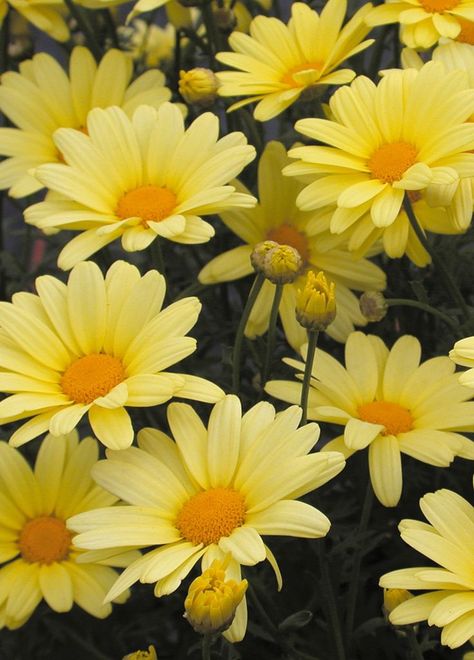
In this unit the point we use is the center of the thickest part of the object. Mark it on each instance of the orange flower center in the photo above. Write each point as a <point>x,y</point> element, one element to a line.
<point>150,203</point>
<point>210,515</point>
<point>44,540</point>
<point>437,6</point>
<point>287,235</point>
<point>92,376</point>
<point>395,418</point>
<point>390,161</point>
<point>466,36</point>
<point>288,78</point>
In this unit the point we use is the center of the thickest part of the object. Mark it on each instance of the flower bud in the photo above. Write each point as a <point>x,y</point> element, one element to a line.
<point>142,655</point>
<point>198,86</point>
<point>316,302</point>
<point>373,305</point>
<point>257,258</point>
<point>212,600</point>
<point>282,264</point>
<point>394,597</point>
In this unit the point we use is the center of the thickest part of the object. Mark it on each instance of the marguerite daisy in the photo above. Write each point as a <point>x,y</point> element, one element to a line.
<point>389,402</point>
<point>279,62</point>
<point>37,551</point>
<point>214,491</point>
<point>138,179</point>
<point>411,132</point>
<point>423,22</point>
<point>94,346</point>
<point>277,218</point>
<point>449,599</point>
<point>42,97</point>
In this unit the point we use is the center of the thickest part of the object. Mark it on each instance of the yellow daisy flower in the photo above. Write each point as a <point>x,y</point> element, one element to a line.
<point>278,62</point>
<point>389,402</point>
<point>94,346</point>
<point>408,133</point>
<point>139,178</point>
<point>37,552</point>
<point>42,97</point>
<point>423,22</point>
<point>449,599</point>
<point>277,218</point>
<point>214,491</point>
<point>462,353</point>
<point>46,15</point>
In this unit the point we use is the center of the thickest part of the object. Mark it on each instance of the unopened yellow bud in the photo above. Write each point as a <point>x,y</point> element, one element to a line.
<point>142,655</point>
<point>282,265</point>
<point>198,86</point>
<point>394,597</point>
<point>316,302</point>
<point>373,305</point>
<point>257,258</point>
<point>212,600</point>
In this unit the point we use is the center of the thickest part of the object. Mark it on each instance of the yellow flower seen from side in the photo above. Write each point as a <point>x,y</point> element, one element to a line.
<point>94,346</point>
<point>387,403</point>
<point>462,354</point>
<point>448,601</point>
<point>42,97</point>
<point>216,490</point>
<point>212,600</point>
<point>411,132</point>
<point>276,63</point>
<point>276,218</point>
<point>152,44</point>
<point>424,22</point>
<point>38,557</point>
<point>316,302</point>
<point>46,15</point>
<point>139,178</point>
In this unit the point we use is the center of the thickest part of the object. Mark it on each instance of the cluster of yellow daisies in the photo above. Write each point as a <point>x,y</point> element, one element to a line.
<point>114,147</point>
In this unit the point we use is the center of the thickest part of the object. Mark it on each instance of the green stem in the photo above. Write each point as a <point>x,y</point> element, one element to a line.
<point>354,580</point>
<point>77,13</point>
<point>191,290</point>
<point>330,602</point>
<point>157,256</point>
<point>451,285</point>
<point>262,612</point>
<point>308,369</point>
<point>407,302</point>
<point>272,332</point>
<point>416,652</point>
<point>239,337</point>
<point>211,30</point>
<point>206,647</point>
<point>110,27</point>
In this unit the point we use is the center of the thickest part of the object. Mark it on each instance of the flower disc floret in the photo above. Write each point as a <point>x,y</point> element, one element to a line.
<point>390,162</point>
<point>394,418</point>
<point>149,203</point>
<point>211,515</point>
<point>92,376</point>
<point>44,540</point>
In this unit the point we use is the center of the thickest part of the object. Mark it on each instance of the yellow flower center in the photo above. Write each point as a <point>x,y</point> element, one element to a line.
<point>466,36</point>
<point>44,540</point>
<point>287,235</point>
<point>210,515</point>
<point>395,418</point>
<point>437,6</point>
<point>150,203</point>
<point>390,161</point>
<point>92,376</point>
<point>288,77</point>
